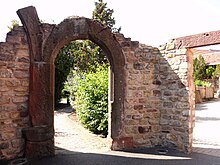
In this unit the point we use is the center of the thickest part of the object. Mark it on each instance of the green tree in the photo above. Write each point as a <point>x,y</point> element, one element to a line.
<point>199,68</point>
<point>63,66</point>
<point>88,81</point>
<point>105,15</point>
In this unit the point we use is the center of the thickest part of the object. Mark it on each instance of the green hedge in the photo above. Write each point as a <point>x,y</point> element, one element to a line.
<point>89,95</point>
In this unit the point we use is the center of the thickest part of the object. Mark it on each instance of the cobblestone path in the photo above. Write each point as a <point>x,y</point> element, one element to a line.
<point>70,134</point>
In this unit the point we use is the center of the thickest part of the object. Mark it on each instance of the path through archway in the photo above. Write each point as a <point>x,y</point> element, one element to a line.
<point>45,41</point>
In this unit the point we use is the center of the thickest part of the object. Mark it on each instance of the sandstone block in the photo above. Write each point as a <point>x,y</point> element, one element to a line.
<point>144,129</point>
<point>21,89</point>
<point>123,142</point>
<point>19,99</point>
<point>8,135</point>
<point>12,83</point>
<point>154,121</point>
<point>21,74</point>
<point>137,117</point>
<point>4,100</point>
<point>4,115</point>
<point>17,143</point>
<point>168,105</point>
<point>131,122</point>
<point>24,59</point>
<point>5,73</point>
<point>4,145</point>
<point>130,130</point>
<point>155,128</point>
<point>164,122</point>
<point>157,93</point>
<point>40,149</point>
<point>4,89</point>
<point>138,66</point>
<point>138,107</point>
<point>172,137</point>
<point>7,57</point>
<point>15,114</point>
<point>2,64</point>
<point>38,133</point>
<point>25,83</point>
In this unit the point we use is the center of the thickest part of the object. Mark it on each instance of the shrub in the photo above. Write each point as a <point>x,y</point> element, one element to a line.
<point>210,72</point>
<point>90,91</point>
<point>202,83</point>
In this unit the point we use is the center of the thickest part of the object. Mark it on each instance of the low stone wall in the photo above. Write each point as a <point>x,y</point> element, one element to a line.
<point>14,92</point>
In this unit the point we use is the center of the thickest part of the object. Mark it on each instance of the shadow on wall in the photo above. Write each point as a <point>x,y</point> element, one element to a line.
<point>157,106</point>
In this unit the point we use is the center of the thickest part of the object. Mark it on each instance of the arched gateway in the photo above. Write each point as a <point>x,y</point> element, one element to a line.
<point>45,41</point>
<point>151,96</point>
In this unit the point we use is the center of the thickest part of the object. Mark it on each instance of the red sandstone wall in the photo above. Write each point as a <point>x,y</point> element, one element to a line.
<point>158,95</point>
<point>14,92</point>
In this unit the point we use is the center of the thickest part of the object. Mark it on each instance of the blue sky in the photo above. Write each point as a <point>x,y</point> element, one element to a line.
<point>152,22</point>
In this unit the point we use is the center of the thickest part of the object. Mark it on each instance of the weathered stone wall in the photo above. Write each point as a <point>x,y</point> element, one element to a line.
<point>159,91</point>
<point>153,88</point>
<point>14,92</point>
<point>178,110</point>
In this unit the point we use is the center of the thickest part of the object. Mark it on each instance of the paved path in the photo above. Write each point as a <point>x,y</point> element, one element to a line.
<point>207,128</point>
<point>70,134</point>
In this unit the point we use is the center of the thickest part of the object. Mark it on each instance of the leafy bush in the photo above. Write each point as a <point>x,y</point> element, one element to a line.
<point>90,92</point>
<point>202,83</point>
<point>210,72</point>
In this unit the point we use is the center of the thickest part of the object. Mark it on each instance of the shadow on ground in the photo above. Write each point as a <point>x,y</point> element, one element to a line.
<point>205,104</point>
<point>142,156</point>
<point>64,108</point>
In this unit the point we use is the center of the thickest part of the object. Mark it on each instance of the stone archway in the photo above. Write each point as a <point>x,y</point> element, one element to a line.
<point>44,43</point>
<point>153,88</point>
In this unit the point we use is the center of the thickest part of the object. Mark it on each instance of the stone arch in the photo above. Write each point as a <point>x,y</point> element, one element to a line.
<point>44,43</point>
<point>80,28</point>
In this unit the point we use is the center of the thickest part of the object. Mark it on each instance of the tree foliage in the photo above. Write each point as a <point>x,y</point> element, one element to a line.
<point>210,72</point>
<point>104,15</point>
<point>199,68</point>
<point>63,66</point>
<point>88,79</point>
<point>83,56</point>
